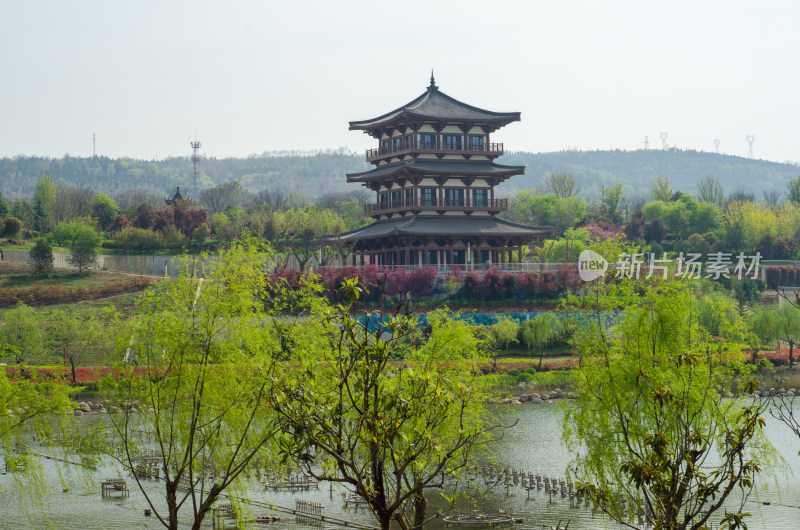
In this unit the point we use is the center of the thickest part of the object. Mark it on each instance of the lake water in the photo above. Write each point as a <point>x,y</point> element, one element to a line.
<point>532,446</point>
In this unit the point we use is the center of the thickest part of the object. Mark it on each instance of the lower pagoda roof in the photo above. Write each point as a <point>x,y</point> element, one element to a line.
<point>439,167</point>
<point>429,226</point>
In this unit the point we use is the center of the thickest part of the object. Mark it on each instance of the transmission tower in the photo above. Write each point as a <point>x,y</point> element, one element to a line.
<point>195,157</point>
<point>750,140</point>
<point>663,136</point>
<point>646,143</point>
<point>716,144</point>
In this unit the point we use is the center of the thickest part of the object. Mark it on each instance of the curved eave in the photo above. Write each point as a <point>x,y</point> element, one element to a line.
<point>450,228</point>
<point>441,109</point>
<point>382,172</point>
<point>369,126</point>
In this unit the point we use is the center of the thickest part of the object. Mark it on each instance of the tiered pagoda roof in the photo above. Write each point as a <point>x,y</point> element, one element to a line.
<point>438,167</point>
<point>434,104</point>
<point>445,226</point>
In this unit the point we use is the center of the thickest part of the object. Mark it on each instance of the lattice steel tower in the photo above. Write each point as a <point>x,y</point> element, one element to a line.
<point>750,140</point>
<point>195,158</point>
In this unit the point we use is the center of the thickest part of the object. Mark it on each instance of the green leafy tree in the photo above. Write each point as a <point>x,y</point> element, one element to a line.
<point>651,422</point>
<point>40,257</point>
<point>21,337</point>
<point>538,332</point>
<point>83,253</point>
<point>533,208</point>
<point>793,191</point>
<point>205,352</point>
<point>82,335</point>
<point>661,189</point>
<point>611,197</point>
<point>104,209</point>
<point>763,327</point>
<point>11,227</point>
<point>563,185</point>
<point>4,207</point>
<point>787,327</point>
<point>44,197</point>
<point>28,405</point>
<point>141,239</point>
<point>388,428</point>
<point>200,235</point>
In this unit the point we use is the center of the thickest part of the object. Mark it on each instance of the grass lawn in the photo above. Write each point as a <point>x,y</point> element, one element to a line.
<point>15,274</point>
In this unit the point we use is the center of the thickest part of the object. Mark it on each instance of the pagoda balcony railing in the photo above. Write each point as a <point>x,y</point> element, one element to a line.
<point>436,204</point>
<point>488,149</point>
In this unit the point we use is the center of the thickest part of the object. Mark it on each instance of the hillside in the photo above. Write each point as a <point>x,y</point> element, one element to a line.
<point>317,172</point>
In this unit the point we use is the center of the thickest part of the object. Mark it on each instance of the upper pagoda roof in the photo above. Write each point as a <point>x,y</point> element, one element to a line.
<point>434,104</point>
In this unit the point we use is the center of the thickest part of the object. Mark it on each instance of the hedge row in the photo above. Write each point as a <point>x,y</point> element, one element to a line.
<point>783,276</point>
<point>56,294</point>
<point>497,285</point>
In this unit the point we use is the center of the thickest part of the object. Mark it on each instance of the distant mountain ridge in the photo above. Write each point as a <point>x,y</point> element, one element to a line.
<point>315,173</point>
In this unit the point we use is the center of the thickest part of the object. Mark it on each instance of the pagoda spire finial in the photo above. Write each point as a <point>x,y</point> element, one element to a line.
<point>433,82</point>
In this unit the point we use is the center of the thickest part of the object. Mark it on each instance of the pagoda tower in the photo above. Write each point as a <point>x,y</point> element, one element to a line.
<point>434,182</point>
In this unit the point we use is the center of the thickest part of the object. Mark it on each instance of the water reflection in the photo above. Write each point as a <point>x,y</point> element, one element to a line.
<point>534,446</point>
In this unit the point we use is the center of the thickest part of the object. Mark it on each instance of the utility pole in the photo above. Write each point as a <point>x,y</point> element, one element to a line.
<point>195,158</point>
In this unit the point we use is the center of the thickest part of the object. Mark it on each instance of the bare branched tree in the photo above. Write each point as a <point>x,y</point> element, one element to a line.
<point>220,198</point>
<point>72,203</point>
<point>272,199</point>
<point>710,190</point>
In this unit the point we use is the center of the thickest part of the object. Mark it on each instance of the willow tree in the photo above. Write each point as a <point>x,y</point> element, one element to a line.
<point>29,406</point>
<point>651,423</point>
<point>201,352</point>
<point>387,419</point>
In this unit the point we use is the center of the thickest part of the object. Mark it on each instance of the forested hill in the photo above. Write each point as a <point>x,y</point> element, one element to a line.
<point>637,169</point>
<point>315,173</point>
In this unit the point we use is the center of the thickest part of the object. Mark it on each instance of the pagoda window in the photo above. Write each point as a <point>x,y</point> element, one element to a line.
<point>397,144</point>
<point>459,257</point>
<point>396,198</point>
<point>410,197</point>
<point>476,143</point>
<point>385,146</point>
<point>428,196</point>
<point>480,198</point>
<point>452,142</point>
<point>427,141</point>
<point>454,197</point>
<point>409,141</point>
<point>384,199</point>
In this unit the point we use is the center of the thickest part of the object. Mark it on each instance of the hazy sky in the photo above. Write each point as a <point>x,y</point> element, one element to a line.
<point>255,76</point>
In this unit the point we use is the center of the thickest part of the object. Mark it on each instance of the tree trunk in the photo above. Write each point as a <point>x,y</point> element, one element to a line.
<point>72,365</point>
<point>791,353</point>
<point>420,506</point>
<point>172,504</point>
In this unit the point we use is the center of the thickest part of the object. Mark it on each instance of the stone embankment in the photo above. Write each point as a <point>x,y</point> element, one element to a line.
<point>536,398</point>
<point>558,395</point>
<point>100,406</point>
